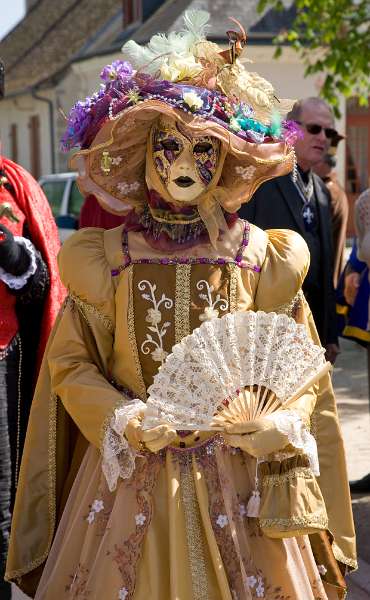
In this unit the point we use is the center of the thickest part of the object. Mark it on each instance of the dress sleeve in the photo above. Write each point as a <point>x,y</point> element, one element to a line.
<point>80,353</point>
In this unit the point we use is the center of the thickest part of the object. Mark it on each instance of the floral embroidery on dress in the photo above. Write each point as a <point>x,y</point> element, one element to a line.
<point>322,569</point>
<point>96,507</point>
<point>140,519</point>
<point>77,587</point>
<point>210,312</point>
<point>222,533</point>
<point>222,521</point>
<point>127,554</point>
<point>154,318</point>
<point>256,584</point>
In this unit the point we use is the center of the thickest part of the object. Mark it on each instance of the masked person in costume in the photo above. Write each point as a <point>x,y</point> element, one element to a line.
<point>177,139</point>
<point>30,296</point>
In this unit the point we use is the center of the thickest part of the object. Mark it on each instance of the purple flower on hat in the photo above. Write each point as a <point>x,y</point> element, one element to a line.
<point>117,70</point>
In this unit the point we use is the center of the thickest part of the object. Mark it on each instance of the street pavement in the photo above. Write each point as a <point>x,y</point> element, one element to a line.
<point>351,386</point>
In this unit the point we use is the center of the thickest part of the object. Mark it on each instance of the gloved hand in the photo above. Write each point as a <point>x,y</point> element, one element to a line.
<point>257,438</point>
<point>14,258</point>
<point>152,439</point>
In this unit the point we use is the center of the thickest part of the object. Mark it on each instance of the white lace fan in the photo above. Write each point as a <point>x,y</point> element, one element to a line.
<point>236,368</point>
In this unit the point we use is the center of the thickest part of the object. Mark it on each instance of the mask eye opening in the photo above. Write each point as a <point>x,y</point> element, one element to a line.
<point>202,147</point>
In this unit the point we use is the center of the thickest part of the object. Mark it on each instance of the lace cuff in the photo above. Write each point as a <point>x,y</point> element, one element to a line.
<point>118,456</point>
<point>17,282</point>
<point>290,423</point>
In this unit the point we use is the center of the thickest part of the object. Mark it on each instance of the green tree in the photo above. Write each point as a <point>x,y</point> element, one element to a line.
<point>332,37</point>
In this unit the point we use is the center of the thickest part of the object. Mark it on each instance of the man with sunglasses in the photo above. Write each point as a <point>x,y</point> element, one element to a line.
<point>302,203</point>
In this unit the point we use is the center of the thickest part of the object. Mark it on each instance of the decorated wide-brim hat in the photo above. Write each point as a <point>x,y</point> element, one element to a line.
<point>207,91</point>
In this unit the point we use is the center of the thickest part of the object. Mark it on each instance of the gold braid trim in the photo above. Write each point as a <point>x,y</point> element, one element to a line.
<point>194,534</point>
<point>182,302</point>
<point>319,520</point>
<point>278,479</point>
<point>87,310</point>
<point>233,292</point>
<point>141,389</point>
<point>339,556</point>
<point>289,308</point>
<point>14,575</point>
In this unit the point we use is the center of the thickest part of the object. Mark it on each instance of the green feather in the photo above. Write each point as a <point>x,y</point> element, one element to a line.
<point>275,125</point>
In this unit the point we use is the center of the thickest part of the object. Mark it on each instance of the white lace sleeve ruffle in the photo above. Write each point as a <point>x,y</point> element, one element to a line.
<point>290,423</point>
<point>15,282</point>
<point>118,456</point>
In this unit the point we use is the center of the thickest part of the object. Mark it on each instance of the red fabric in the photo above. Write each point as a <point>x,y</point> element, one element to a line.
<point>44,234</point>
<point>93,215</point>
<point>8,317</point>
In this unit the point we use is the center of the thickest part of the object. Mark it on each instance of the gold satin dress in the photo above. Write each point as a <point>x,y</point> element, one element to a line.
<point>177,528</point>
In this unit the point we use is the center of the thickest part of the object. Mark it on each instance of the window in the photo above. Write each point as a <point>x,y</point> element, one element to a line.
<point>75,201</point>
<point>54,190</point>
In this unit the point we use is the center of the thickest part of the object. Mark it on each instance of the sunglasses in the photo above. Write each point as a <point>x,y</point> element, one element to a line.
<point>315,129</point>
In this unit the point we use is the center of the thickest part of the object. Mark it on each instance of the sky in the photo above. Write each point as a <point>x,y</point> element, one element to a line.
<point>11,11</point>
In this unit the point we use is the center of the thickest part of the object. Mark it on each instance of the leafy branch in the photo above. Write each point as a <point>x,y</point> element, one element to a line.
<point>332,37</point>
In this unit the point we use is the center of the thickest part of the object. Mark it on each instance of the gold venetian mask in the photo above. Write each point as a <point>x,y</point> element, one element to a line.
<point>186,165</point>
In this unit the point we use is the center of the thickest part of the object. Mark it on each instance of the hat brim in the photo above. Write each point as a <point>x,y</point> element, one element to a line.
<point>113,167</point>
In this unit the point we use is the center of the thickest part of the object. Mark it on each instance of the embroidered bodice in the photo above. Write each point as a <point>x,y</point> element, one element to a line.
<point>148,301</point>
<point>169,296</point>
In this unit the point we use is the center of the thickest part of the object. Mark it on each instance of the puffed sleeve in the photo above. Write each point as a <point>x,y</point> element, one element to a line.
<point>283,271</point>
<point>80,353</point>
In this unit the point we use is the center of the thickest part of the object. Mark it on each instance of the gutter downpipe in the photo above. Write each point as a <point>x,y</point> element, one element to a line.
<point>51,124</point>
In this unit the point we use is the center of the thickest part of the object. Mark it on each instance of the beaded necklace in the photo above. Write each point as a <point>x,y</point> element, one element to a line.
<point>188,260</point>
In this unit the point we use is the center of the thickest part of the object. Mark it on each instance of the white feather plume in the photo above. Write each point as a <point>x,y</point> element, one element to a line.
<point>196,23</point>
<point>162,47</point>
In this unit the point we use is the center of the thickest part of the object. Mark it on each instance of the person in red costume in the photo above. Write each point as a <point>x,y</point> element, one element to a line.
<point>30,297</point>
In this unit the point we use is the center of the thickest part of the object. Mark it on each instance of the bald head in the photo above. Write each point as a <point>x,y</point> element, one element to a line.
<point>313,104</point>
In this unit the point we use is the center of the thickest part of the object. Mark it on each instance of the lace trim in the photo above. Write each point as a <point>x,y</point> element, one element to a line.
<point>278,479</point>
<point>290,424</point>
<point>86,309</point>
<point>17,282</point>
<point>118,456</point>
<point>182,302</point>
<point>319,520</point>
<point>289,308</point>
<point>340,557</point>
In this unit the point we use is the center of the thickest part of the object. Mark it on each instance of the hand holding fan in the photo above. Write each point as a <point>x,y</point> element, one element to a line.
<point>237,368</point>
